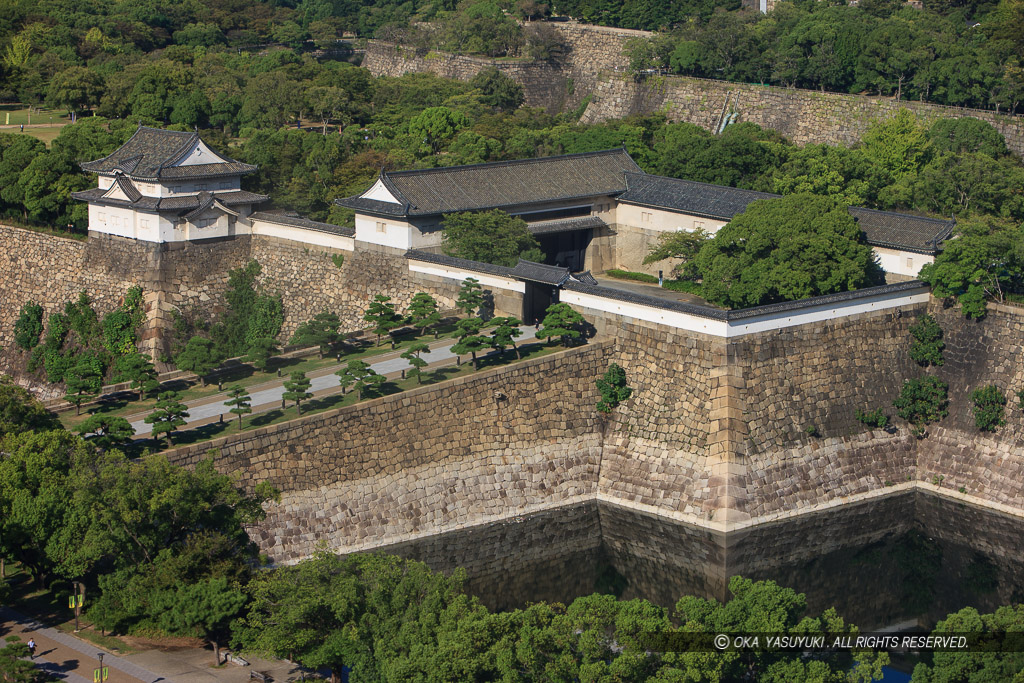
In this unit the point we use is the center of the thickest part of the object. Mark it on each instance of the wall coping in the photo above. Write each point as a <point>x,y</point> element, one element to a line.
<point>484,375</point>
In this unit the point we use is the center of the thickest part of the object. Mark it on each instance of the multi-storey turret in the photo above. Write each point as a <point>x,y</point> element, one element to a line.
<point>168,186</point>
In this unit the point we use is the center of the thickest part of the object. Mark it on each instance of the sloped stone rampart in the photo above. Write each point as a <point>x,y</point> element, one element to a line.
<point>593,65</point>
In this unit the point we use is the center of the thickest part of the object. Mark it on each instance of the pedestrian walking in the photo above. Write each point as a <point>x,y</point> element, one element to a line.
<point>31,648</point>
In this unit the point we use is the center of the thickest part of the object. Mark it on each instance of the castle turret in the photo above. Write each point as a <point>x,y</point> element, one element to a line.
<point>168,186</point>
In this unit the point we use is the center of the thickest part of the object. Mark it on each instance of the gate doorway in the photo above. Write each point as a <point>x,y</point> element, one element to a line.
<point>536,300</point>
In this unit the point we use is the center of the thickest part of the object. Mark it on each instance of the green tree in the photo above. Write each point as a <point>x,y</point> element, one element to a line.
<point>15,665</point>
<point>975,666</point>
<point>359,375</point>
<point>168,414</point>
<point>423,313</point>
<point>321,331</point>
<point>613,388</point>
<point>471,297</point>
<point>926,347</point>
<point>413,356</point>
<point>561,321</point>
<point>498,90</point>
<point>504,334</point>
<point>76,88</point>
<point>382,316</point>
<point>433,127</point>
<point>29,326</point>
<point>22,412</point>
<point>682,245</point>
<point>988,404</point>
<point>240,402</point>
<point>137,369</point>
<point>106,431</point>
<point>922,400</point>
<point>786,249</point>
<point>469,338</point>
<point>489,237</point>
<point>984,259</point>
<point>203,609</point>
<point>200,356</point>
<point>260,352</point>
<point>296,389</point>
<point>83,381</point>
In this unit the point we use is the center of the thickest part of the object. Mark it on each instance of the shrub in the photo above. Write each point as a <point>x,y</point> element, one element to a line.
<point>29,327</point>
<point>923,400</point>
<point>338,260</point>
<point>613,388</point>
<point>926,349</point>
<point>988,403</point>
<point>812,431</point>
<point>873,418</point>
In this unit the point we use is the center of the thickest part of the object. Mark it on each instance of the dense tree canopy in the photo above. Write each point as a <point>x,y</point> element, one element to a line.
<point>785,249</point>
<point>491,237</point>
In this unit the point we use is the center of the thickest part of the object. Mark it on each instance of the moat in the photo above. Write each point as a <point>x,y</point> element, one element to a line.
<point>896,561</point>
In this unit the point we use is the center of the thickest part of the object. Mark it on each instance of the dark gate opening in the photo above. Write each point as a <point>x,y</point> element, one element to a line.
<point>536,300</point>
<point>566,249</point>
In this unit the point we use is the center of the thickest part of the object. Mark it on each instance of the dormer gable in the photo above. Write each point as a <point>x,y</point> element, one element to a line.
<point>380,192</point>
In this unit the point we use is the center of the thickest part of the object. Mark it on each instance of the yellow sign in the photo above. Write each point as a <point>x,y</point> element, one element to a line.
<point>100,675</point>
<point>75,601</point>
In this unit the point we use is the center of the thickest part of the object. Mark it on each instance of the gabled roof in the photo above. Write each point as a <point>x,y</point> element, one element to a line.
<point>538,272</point>
<point>903,231</point>
<point>688,196</point>
<point>151,154</point>
<point>500,184</point>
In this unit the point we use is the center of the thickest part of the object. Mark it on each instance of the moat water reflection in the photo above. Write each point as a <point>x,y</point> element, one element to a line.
<point>905,558</point>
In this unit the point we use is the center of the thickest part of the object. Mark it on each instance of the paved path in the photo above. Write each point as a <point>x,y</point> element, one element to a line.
<point>268,396</point>
<point>69,658</point>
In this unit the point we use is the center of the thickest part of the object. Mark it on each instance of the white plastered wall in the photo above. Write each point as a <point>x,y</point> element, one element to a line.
<point>386,232</point>
<point>902,262</point>
<point>294,234</point>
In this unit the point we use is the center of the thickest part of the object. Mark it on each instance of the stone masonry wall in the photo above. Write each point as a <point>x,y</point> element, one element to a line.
<point>427,460</point>
<point>593,65</point>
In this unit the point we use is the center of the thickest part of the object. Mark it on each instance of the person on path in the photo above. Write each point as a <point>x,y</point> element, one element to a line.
<point>31,648</point>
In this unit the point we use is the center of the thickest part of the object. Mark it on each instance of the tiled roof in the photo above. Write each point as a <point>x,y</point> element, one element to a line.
<point>585,278</point>
<point>538,272</point>
<point>205,202</point>
<point>178,203</point>
<point>150,150</point>
<point>129,189</point>
<point>373,206</point>
<point>299,222</point>
<point>565,225</point>
<point>903,231</point>
<point>505,183</point>
<point>746,313</point>
<point>688,196</point>
<point>445,260</point>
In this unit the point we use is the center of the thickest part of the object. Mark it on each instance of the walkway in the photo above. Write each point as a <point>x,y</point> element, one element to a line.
<point>67,657</point>
<point>267,396</point>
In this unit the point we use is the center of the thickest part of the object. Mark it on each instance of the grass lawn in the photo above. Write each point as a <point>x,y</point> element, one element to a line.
<point>50,606</point>
<point>338,400</point>
<point>47,135</point>
<point>17,115</point>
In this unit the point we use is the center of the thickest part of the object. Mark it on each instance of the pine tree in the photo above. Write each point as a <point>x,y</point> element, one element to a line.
<point>423,312</point>
<point>505,333</point>
<point>240,401</point>
<point>296,389</point>
<point>168,414</point>
<point>138,369</point>
<point>382,316</point>
<point>358,375</point>
<point>200,356</point>
<point>321,331</point>
<point>260,352</point>
<point>613,388</point>
<point>83,382</point>
<point>470,339</point>
<point>471,297</point>
<point>561,321</point>
<point>106,431</point>
<point>412,354</point>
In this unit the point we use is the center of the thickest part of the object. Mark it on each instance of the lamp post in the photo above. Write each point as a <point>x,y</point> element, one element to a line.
<point>101,674</point>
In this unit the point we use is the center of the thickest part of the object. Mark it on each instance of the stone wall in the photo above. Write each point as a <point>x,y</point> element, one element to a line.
<point>427,460</point>
<point>715,435</point>
<point>593,66</point>
<point>803,116</point>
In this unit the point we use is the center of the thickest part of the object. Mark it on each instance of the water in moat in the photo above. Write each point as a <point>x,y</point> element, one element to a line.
<point>906,558</point>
